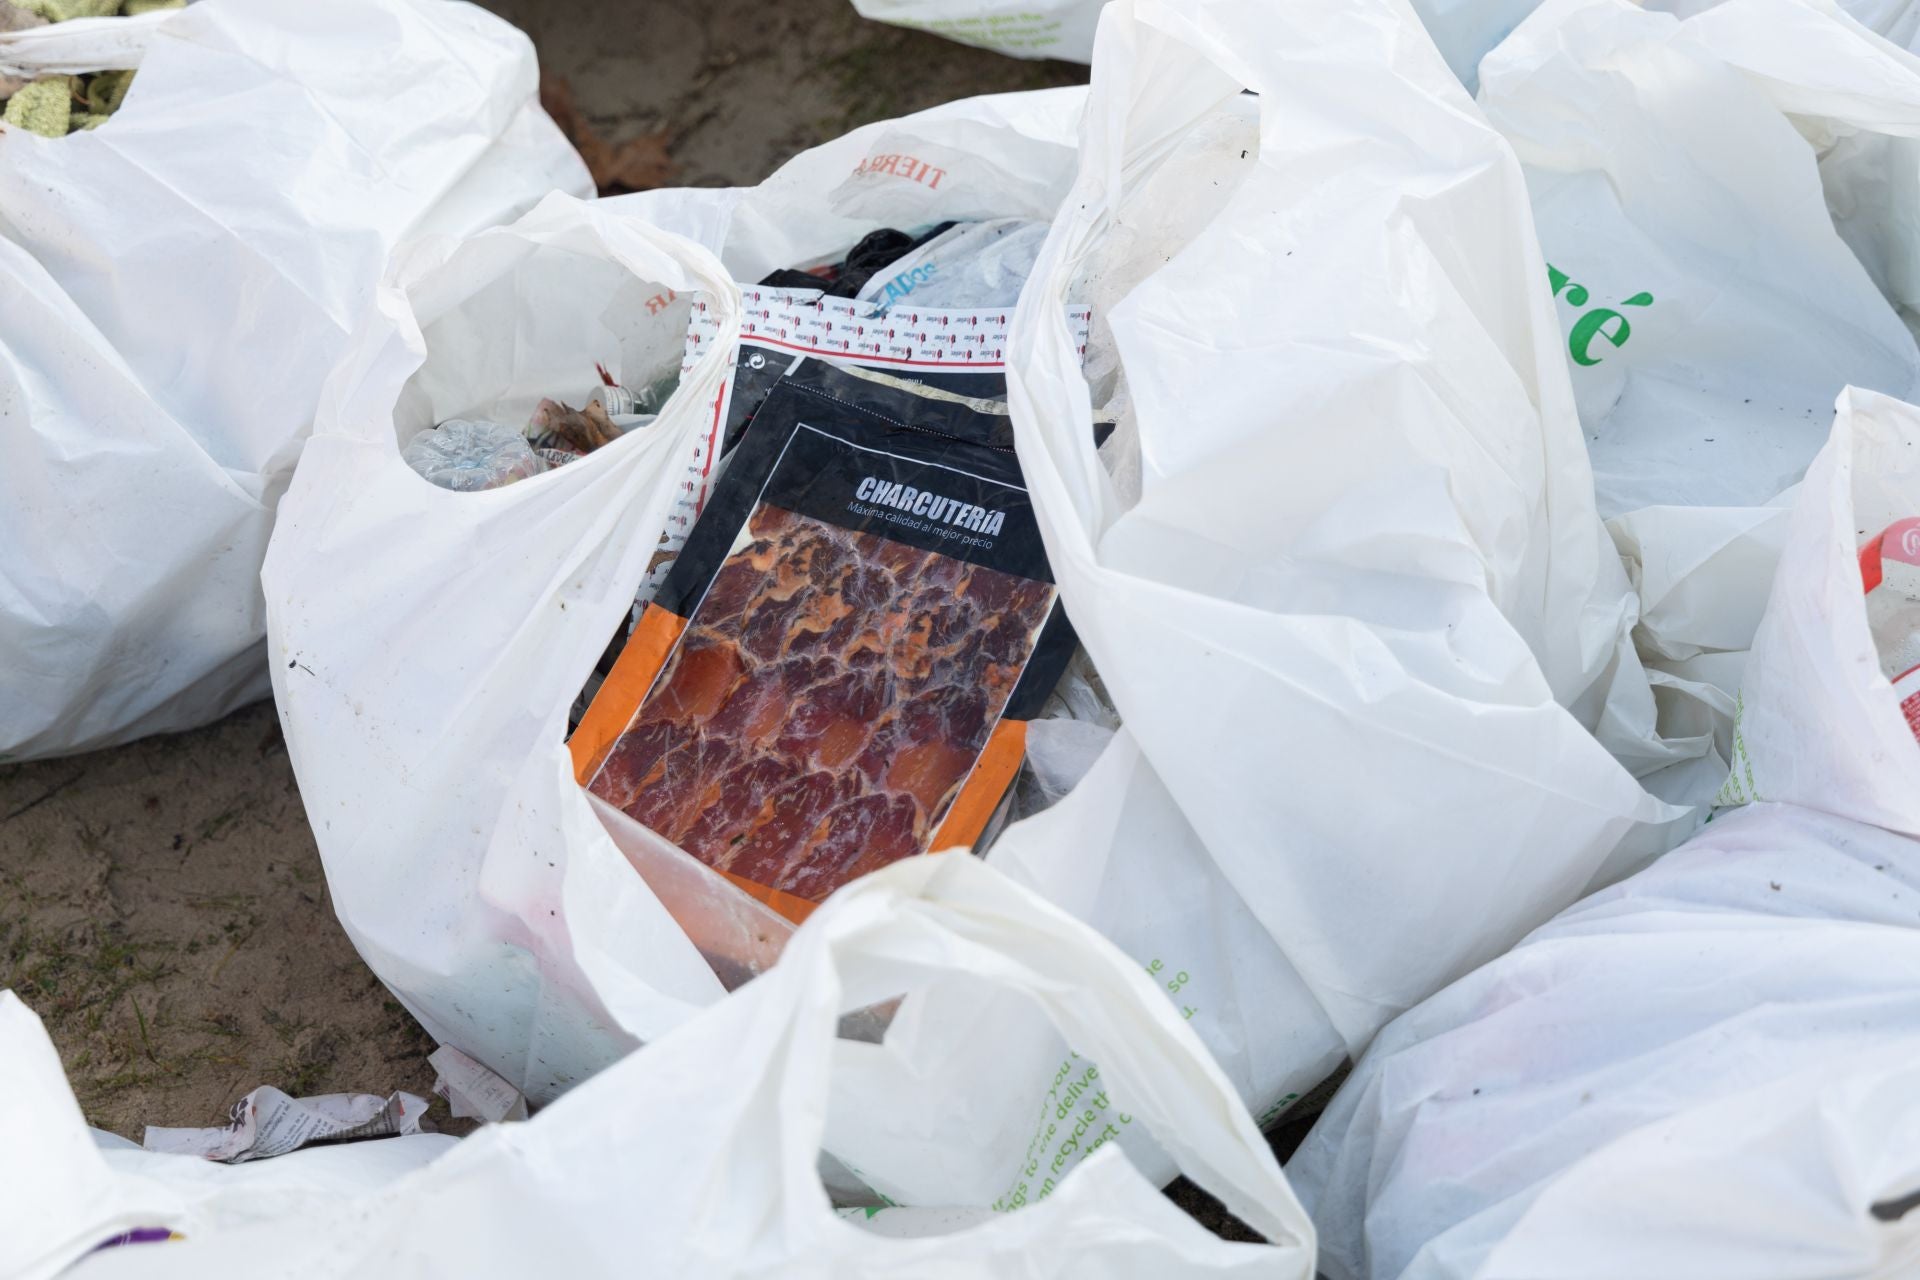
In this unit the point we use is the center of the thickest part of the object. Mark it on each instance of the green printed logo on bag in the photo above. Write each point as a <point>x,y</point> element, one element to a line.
<point>1601,322</point>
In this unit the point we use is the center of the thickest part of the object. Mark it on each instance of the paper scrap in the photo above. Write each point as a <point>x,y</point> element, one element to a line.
<point>472,1091</point>
<point>269,1123</point>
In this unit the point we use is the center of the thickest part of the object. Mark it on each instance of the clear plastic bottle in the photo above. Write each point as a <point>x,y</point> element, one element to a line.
<point>467,454</point>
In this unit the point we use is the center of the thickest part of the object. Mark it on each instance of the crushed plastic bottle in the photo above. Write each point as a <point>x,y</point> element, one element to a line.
<point>1890,571</point>
<point>467,454</point>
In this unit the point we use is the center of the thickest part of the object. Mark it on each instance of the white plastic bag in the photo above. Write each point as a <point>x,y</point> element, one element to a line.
<point>1720,194</point>
<point>1022,28</point>
<point>176,285</point>
<point>1364,675</point>
<point>696,1155</point>
<point>1463,29</point>
<point>1712,319</point>
<point>428,644</point>
<point>1322,594</point>
<point>1361,668</point>
<point>1709,1069</point>
<point>1820,726</point>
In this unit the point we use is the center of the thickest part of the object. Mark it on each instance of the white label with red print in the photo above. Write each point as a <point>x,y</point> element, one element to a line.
<point>808,323</point>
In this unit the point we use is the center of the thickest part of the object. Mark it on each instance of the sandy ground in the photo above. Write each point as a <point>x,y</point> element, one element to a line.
<point>162,909</point>
<point>162,905</point>
<point>739,86</point>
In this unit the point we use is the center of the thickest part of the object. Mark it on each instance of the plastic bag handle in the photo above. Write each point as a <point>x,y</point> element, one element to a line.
<point>650,254</point>
<point>944,913</point>
<point>80,46</point>
<point>1150,86</point>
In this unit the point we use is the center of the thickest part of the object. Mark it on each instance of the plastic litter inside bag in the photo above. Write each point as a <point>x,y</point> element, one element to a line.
<point>466,455</point>
<point>874,254</point>
<point>970,265</point>
<point>608,323</point>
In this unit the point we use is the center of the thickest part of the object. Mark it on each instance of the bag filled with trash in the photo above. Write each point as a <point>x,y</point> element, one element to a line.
<point>181,269</point>
<point>1709,1068</point>
<point>549,955</point>
<point>1716,285</point>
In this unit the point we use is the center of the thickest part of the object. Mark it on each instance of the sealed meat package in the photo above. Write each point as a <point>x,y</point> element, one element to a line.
<point>838,670</point>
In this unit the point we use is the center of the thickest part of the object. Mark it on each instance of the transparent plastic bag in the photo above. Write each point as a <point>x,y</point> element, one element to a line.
<point>972,265</point>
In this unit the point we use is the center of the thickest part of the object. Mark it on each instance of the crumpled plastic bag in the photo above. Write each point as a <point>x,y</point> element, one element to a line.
<point>178,285</point>
<point>973,266</point>
<point>1712,1068</point>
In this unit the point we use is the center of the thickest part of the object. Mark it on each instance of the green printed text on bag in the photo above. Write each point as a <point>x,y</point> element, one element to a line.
<point>1601,322</point>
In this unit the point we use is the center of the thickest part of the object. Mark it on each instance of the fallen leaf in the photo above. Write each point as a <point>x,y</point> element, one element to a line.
<point>582,429</point>
<point>638,164</point>
<point>556,97</point>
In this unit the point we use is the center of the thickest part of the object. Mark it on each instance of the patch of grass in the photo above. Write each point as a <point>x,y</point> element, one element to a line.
<point>129,1077</point>
<point>282,1026</point>
<point>218,822</point>
<point>63,979</point>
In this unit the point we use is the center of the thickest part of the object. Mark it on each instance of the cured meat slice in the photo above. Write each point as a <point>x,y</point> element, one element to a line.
<point>830,693</point>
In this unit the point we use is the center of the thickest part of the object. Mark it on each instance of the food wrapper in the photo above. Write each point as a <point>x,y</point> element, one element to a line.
<point>839,669</point>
